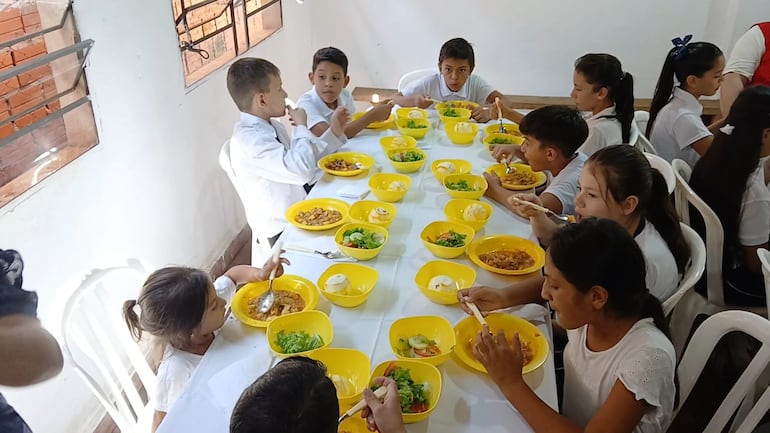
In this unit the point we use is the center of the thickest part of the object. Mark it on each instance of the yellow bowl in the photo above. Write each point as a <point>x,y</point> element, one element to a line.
<point>499,170</point>
<point>461,115</point>
<point>417,133</point>
<point>353,424</point>
<point>407,166</point>
<point>455,209</point>
<point>496,138</point>
<point>461,137</point>
<point>323,203</point>
<point>362,281</point>
<point>384,124</point>
<point>436,328</point>
<point>506,242</point>
<point>290,283</point>
<point>405,112</point>
<point>351,365</point>
<point>478,183</point>
<point>380,182</point>
<point>360,210</point>
<point>468,105</point>
<point>387,143</point>
<point>313,322</point>
<point>461,166</point>
<point>360,253</point>
<point>467,330</point>
<point>464,276</point>
<point>436,228</point>
<point>510,128</point>
<point>421,372</point>
<point>365,162</point>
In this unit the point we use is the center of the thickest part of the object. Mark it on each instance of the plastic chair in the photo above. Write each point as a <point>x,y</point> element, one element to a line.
<point>638,139</point>
<point>764,257</point>
<point>664,168</point>
<point>694,269</point>
<point>101,349</point>
<point>697,354</point>
<point>411,77</point>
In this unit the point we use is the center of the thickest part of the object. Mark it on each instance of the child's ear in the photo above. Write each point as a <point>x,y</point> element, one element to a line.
<point>603,93</point>
<point>599,297</point>
<point>690,81</point>
<point>347,81</point>
<point>258,100</point>
<point>310,76</point>
<point>629,204</point>
<point>550,153</point>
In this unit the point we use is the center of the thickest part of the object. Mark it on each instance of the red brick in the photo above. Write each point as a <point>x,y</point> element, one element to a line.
<point>9,14</point>
<point>30,118</point>
<point>4,114</point>
<point>53,106</point>
<point>11,25</point>
<point>29,8</point>
<point>7,130</point>
<point>35,74</point>
<point>24,95</point>
<point>30,20</point>
<point>33,28</point>
<point>6,60</point>
<point>30,51</point>
<point>8,86</point>
<point>26,106</point>
<point>49,87</point>
<point>5,37</point>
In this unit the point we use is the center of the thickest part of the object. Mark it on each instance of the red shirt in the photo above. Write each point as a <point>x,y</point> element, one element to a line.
<point>762,74</point>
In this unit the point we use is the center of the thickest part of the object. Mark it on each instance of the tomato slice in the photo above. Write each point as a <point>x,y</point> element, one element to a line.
<point>391,368</point>
<point>430,350</point>
<point>419,407</point>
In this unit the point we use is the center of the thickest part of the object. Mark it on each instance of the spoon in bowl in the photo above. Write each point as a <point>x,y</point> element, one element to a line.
<point>502,129</point>
<point>266,300</point>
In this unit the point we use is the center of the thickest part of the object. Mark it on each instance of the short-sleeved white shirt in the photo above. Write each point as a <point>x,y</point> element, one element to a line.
<point>754,228</point>
<point>677,127</point>
<point>475,89</point>
<point>317,110</point>
<point>563,186</point>
<point>644,361</point>
<point>662,274</point>
<point>603,130</point>
<point>747,53</point>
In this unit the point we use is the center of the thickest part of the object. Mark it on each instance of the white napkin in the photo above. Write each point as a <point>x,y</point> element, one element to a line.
<point>354,191</point>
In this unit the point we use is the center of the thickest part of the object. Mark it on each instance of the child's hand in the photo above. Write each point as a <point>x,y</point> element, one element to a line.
<point>385,416</point>
<point>522,209</point>
<point>494,113</point>
<point>486,298</point>
<point>297,116</point>
<point>503,153</point>
<point>480,114</point>
<point>502,360</point>
<point>340,118</point>
<point>242,274</point>
<point>381,112</point>
<point>493,180</point>
<point>422,101</point>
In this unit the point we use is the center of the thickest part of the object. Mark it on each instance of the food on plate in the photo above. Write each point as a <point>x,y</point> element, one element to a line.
<point>449,239</point>
<point>407,156</point>
<point>450,112</point>
<point>318,217</point>
<point>411,124</point>
<point>445,167</point>
<point>527,351</point>
<point>460,104</point>
<point>460,185</point>
<point>442,283</point>
<point>337,283</point>
<point>500,140</point>
<point>475,212</point>
<point>341,165</point>
<point>413,396</point>
<point>362,238</point>
<point>511,260</point>
<point>417,346</point>
<point>414,114</point>
<point>297,341</point>
<point>284,302</point>
<point>519,177</point>
<point>398,142</point>
<point>463,128</point>
<point>343,385</point>
<point>379,215</point>
<point>397,185</point>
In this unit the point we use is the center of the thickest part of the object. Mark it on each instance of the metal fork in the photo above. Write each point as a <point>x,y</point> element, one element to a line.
<point>331,255</point>
<point>502,129</point>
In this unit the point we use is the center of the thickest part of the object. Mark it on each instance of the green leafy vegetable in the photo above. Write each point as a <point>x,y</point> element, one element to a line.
<point>362,238</point>
<point>500,140</point>
<point>451,112</point>
<point>412,124</point>
<point>408,156</point>
<point>450,239</point>
<point>413,397</point>
<point>461,185</point>
<point>298,341</point>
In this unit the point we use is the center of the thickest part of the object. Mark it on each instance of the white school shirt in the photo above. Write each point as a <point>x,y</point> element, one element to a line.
<point>475,89</point>
<point>754,225</point>
<point>643,360</point>
<point>603,131</point>
<point>317,110</point>
<point>677,126</point>
<point>272,168</point>
<point>563,186</point>
<point>747,53</point>
<point>662,277</point>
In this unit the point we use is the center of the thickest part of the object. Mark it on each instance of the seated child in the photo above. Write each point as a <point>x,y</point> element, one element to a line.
<point>330,79</point>
<point>552,135</point>
<point>296,396</point>
<point>182,309</point>
<point>454,82</point>
<point>273,169</point>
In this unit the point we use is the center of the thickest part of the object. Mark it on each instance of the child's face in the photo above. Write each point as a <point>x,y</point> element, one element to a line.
<point>584,95</point>
<point>329,79</point>
<point>709,82</point>
<point>455,72</point>
<point>272,102</point>
<point>538,156</point>
<point>594,199</point>
<point>572,308</point>
<point>214,314</point>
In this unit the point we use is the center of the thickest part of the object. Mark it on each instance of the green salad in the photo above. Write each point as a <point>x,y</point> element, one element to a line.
<point>450,239</point>
<point>461,185</point>
<point>451,112</point>
<point>362,238</point>
<point>412,124</point>
<point>408,156</point>
<point>500,140</point>
<point>413,396</point>
<point>298,341</point>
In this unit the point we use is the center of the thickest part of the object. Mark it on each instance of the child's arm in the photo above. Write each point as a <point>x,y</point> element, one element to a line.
<point>542,226</point>
<point>490,299</point>
<point>36,354</point>
<point>508,111</point>
<point>505,153</point>
<point>421,101</point>
<point>495,190</point>
<point>378,113</point>
<point>551,202</point>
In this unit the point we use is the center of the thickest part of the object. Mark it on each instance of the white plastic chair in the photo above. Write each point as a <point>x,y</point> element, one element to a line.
<point>101,349</point>
<point>664,168</point>
<point>697,354</point>
<point>638,139</point>
<point>411,77</point>
<point>764,257</point>
<point>694,269</point>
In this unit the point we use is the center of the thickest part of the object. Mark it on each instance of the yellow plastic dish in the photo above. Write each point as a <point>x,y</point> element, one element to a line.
<point>410,166</point>
<point>510,128</point>
<point>478,183</point>
<point>506,242</point>
<point>421,372</point>
<point>507,138</point>
<point>461,166</point>
<point>455,209</point>
<point>435,328</point>
<point>407,113</point>
<point>417,133</point>
<point>499,170</point>
<point>323,203</point>
<point>384,124</point>
<point>467,330</point>
<point>468,105</point>
<point>313,322</point>
<point>462,115</point>
<point>463,276</point>
<point>460,137</point>
<point>353,424</point>
<point>365,161</point>
<point>350,365</point>
<point>436,228</point>
<point>291,283</point>
<point>361,210</point>
<point>360,253</point>
<point>397,142</point>
<point>362,281</point>
<point>380,184</point>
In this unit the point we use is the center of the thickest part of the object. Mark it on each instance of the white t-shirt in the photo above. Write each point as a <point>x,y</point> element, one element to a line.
<point>475,89</point>
<point>317,110</point>
<point>662,274</point>
<point>677,126</point>
<point>747,53</point>
<point>603,131</point>
<point>563,186</point>
<point>754,226</point>
<point>644,361</point>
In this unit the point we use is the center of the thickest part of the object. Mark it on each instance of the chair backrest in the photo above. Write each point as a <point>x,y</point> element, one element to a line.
<point>764,257</point>
<point>684,196</point>
<point>641,118</point>
<point>698,352</point>
<point>101,349</point>
<point>664,168</point>
<point>410,77</point>
<point>694,269</point>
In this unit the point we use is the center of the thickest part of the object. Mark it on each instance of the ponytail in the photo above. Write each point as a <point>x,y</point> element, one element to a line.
<point>661,213</point>
<point>132,319</point>
<point>605,70</point>
<point>624,106</point>
<point>663,89</point>
<point>652,308</point>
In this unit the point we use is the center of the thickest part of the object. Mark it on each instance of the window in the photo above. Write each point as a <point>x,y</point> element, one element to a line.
<point>46,119</point>
<point>213,32</point>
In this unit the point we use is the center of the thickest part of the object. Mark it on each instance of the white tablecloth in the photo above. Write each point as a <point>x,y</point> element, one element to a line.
<point>469,402</point>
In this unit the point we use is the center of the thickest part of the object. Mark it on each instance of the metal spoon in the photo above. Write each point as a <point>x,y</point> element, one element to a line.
<point>502,129</point>
<point>331,255</point>
<point>268,298</point>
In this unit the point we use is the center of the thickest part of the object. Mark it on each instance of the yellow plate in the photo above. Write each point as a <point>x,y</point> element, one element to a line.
<point>436,228</point>
<point>462,115</point>
<point>363,159</point>
<point>360,210</point>
<point>460,137</point>
<point>360,253</point>
<point>468,105</point>
<point>291,283</point>
<point>510,128</point>
<point>479,184</point>
<point>351,365</point>
<point>417,133</point>
<point>507,242</point>
<point>499,170</point>
<point>455,210</point>
<point>421,372</point>
<point>380,182</point>
<point>313,322</point>
<point>404,113</point>
<point>323,203</point>
<point>353,424</point>
<point>461,166</point>
<point>407,166</point>
<point>468,328</point>
<point>362,281</point>
<point>384,124</point>
<point>435,328</point>
<point>509,139</point>
<point>463,276</point>
<point>389,142</point>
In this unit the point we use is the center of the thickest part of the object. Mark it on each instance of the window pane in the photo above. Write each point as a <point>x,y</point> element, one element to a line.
<point>265,22</point>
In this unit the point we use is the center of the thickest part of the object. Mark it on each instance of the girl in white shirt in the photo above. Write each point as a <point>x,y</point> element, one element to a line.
<point>182,309</point>
<point>619,363</point>
<point>729,179</point>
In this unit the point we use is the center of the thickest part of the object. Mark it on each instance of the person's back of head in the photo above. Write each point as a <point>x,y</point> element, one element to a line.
<point>248,76</point>
<point>457,48</point>
<point>556,126</point>
<point>332,55</point>
<point>295,396</point>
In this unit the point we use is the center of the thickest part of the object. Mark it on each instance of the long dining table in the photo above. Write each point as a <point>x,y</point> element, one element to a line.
<point>469,401</point>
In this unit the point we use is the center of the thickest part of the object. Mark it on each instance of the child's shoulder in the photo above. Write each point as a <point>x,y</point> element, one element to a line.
<point>177,363</point>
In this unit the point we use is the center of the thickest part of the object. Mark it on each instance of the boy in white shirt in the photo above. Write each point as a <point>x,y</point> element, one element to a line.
<point>273,169</point>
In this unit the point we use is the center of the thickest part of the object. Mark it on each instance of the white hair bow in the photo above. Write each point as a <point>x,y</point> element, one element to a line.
<point>727,129</point>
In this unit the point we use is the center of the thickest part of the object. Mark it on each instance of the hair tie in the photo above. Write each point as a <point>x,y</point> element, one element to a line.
<point>680,45</point>
<point>727,129</point>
